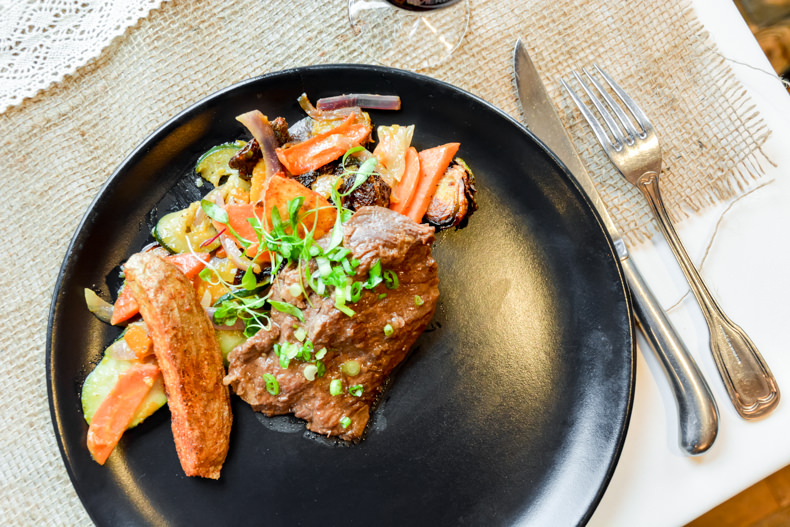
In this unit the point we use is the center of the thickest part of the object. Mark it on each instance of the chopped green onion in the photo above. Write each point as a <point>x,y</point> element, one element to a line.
<point>346,266</point>
<point>418,301</point>
<point>388,330</point>
<point>295,290</point>
<point>309,372</point>
<point>382,296</point>
<point>356,390</point>
<point>390,279</point>
<point>286,351</point>
<point>321,368</point>
<point>356,292</point>
<point>345,422</point>
<point>335,387</point>
<point>300,334</point>
<point>338,253</point>
<point>340,303</point>
<point>321,353</point>
<point>324,266</point>
<point>272,386</point>
<point>351,368</point>
<point>374,275</point>
<point>307,349</point>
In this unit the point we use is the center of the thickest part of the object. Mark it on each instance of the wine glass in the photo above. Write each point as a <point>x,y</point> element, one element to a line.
<point>410,34</point>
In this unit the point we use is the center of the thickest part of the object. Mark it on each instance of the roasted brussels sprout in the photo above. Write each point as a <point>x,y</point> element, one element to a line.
<point>246,158</point>
<point>374,191</point>
<point>454,199</point>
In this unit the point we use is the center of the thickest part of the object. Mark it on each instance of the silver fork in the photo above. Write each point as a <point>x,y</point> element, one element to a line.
<point>636,152</point>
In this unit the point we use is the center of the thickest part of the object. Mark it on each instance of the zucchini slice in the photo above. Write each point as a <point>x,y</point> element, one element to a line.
<point>101,381</point>
<point>213,165</point>
<point>229,340</point>
<point>173,229</point>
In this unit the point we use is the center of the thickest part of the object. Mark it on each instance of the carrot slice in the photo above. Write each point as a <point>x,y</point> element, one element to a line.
<point>433,164</point>
<point>323,148</point>
<point>125,306</point>
<point>237,218</point>
<point>117,410</point>
<point>139,341</point>
<point>238,213</point>
<point>402,193</point>
<point>190,264</point>
<point>278,192</point>
<point>316,210</point>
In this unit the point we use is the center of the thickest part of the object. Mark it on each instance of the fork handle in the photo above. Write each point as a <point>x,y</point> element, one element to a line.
<point>749,382</point>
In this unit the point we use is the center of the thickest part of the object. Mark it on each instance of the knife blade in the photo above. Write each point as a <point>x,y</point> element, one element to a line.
<point>697,411</point>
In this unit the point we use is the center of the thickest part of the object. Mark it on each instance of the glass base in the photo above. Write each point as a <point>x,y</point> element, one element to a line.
<point>408,39</point>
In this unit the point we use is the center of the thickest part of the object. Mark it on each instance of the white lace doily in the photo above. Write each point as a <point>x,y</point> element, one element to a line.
<point>41,41</point>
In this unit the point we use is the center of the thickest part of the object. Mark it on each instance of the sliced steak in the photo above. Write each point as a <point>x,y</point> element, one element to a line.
<point>372,234</point>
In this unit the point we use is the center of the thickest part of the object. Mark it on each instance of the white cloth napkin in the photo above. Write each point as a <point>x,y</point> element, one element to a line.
<point>41,41</point>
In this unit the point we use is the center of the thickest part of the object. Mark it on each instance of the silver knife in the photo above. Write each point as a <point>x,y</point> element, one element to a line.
<point>697,411</point>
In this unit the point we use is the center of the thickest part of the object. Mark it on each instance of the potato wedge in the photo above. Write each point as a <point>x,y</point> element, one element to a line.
<point>189,356</point>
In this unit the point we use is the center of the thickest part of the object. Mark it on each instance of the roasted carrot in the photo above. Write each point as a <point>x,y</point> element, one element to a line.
<point>190,264</point>
<point>402,193</point>
<point>323,148</point>
<point>118,408</point>
<point>433,163</point>
<point>238,214</point>
<point>125,306</point>
<point>316,209</point>
<point>278,192</point>
<point>138,340</point>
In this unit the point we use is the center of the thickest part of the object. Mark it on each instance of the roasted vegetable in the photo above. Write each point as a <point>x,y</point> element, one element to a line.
<point>374,191</point>
<point>245,159</point>
<point>214,164</point>
<point>117,411</point>
<point>104,377</point>
<point>433,164</point>
<point>173,229</point>
<point>454,199</point>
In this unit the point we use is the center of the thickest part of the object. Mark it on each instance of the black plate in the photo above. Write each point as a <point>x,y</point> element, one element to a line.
<point>512,407</point>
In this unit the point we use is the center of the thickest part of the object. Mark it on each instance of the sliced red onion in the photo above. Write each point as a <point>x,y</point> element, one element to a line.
<point>239,325</point>
<point>120,350</point>
<point>261,130</point>
<point>234,253</point>
<point>362,100</point>
<point>330,115</point>
<point>101,308</point>
<point>229,244</point>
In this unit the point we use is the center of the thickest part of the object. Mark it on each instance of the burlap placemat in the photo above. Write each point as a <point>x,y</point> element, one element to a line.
<point>58,148</point>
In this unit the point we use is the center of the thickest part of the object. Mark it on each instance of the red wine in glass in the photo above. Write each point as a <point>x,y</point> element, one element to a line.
<point>422,5</point>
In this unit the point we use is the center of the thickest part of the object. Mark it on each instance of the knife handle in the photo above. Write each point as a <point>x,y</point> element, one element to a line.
<point>697,411</point>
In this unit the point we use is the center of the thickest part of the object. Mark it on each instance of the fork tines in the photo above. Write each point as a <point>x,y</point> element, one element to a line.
<point>625,135</point>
